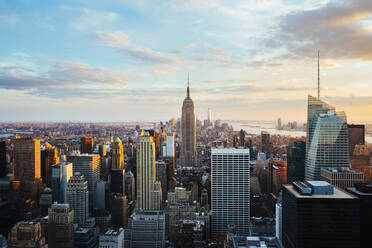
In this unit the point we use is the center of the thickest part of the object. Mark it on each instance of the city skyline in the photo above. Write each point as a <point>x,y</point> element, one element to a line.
<point>88,61</point>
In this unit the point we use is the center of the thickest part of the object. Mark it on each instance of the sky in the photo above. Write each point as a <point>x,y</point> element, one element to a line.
<point>117,60</point>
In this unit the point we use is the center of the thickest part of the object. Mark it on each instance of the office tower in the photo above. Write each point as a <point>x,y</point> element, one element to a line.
<point>46,201</point>
<point>119,211</point>
<point>49,157</point>
<point>26,167</point>
<point>317,214</point>
<point>60,226</point>
<point>188,131</point>
<point>26,234</point>
<point>230,190</point>
<point>328,139</point>
<point>130,186</point>
<point>149,224</point>
<point>87,165</point>
<point>117,154</point>
<point>103,195</point>
<point>265,143</point>
<point>102,149</point>
<point>276,175</point>
<point>112,239</point>
<point>86,144</point>
<point>3,162</point>
<point>77,196</point>
<point>356,137</point>
<point>204,202</point>
<point>296,155</point>
<point>242,137</point>
<point>364,193</point>
<point>61,174</point>
<point>342,177</point>
<point>148,189</point>
<point>162,177</point>
<point>117,181</point>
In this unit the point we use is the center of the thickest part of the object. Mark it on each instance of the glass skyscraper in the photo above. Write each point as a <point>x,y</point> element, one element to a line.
<point>327,138</point>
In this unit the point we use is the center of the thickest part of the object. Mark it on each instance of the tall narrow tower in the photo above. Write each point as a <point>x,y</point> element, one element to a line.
<point>188,131</point>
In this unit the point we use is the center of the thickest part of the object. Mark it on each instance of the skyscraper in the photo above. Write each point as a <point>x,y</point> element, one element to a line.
<point>49,157</point>
<point>162,177</point>
<point>296,162</point>
<point>316,214</point>
<point>87,165</point>
<point>117,154</point>
<point>209,117</point>
<point>230,190</point>
<point>61,174</point>
<point>148,189</point>
<point>86,144</point>
<point>26,167</point>
<point>77,197</point>
<point>60,226</point>
<point>356,136</point>
<point>265,143</point>
<point>3,163</point>
<point>188,131</point>
<point>327,137</point>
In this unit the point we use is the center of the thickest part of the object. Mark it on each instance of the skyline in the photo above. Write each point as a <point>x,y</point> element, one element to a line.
<point>88,61</point>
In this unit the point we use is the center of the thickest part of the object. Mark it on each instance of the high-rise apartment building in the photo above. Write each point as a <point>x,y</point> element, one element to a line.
<point>265,143</point>
<point>60,226</point>
<point>342,177</point>
<point>316,214</point>
<point>3,162</point>
<point>296,155</point>
<point>117,154</point>
<point>188,131</point>
<point>61,174</point>
<point>356,136</point>
<point>26,167</point>
<point>147,228</point>
<point>26,234</point>
<point>86,144</point>
<point>77,198</point>
<point>148,189</point>
<point>87,165</point>
<point>49,157</point>
<point>328,137</point>
<point>230,190</point>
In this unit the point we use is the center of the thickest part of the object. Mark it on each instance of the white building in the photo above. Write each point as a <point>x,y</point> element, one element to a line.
<point>230,190</point>
<point>78,198</point>
<point>112,239</point>
<point>278,221</point>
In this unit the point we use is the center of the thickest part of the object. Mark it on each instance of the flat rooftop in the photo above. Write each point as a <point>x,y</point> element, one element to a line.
<point>230,150</point>
<point>337,194</point>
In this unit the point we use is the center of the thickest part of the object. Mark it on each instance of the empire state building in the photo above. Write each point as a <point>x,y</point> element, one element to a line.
<point>188,129</point>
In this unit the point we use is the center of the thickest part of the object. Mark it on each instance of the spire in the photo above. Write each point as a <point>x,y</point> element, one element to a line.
<point>188,85</point>
<point>318,78</point>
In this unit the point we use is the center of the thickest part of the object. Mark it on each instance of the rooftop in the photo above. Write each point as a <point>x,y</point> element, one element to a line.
<point>230,150</point>
<point>337,193</point>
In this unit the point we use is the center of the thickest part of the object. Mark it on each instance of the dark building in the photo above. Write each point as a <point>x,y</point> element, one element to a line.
<point>356,136</point>
<point>86,145</point>
<point>130,186</point>
<point>61,226</point>
<point>3,163</point>
<point>242,137</point>
<point>119,211</point>
<point>85,237</point>
<point>364,192</point>
<point>265,143</point>
<point>317,214</point>
<point>117,181</point>
<point>48,157</point>
<point>296,162</point>
<point>162,177</point>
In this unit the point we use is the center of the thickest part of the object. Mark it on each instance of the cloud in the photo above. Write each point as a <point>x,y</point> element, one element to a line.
<point>122,44</point>
<point>10,19</point>
<point>341,30</point>
<point>66,79</point>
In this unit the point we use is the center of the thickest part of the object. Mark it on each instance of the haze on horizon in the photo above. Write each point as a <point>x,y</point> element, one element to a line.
<point>128,60</point>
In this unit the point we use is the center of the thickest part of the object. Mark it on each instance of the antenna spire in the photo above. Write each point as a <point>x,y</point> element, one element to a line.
<point>188,85</point>
<point>318,78</point>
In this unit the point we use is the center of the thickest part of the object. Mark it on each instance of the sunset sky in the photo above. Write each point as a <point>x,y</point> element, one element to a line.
<point>116,60</point>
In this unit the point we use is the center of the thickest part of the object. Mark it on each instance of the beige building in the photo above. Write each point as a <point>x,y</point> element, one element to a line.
<point>342,177</point>
<point>117,154</point>
<point>148,189</point>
